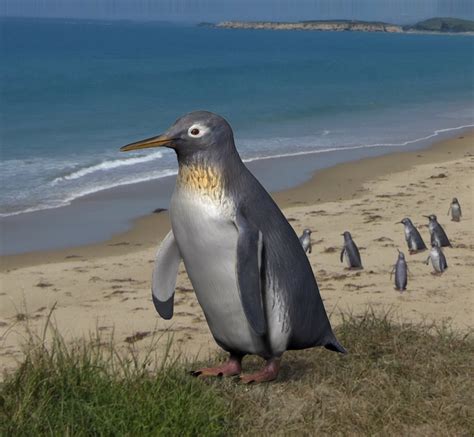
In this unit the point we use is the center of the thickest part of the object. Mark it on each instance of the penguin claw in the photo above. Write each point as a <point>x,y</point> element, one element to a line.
<point>217,372</point>
<point>247,379</point>
<point>230,368</point>
<point>257,378</point>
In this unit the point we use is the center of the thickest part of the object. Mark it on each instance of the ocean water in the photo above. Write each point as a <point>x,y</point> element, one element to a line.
<point>73,92</point>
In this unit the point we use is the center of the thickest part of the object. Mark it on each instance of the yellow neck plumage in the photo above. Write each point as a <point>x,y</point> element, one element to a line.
<point>204,180</point>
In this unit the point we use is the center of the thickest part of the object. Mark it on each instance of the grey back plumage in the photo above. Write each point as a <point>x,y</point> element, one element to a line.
<point>288,270</point>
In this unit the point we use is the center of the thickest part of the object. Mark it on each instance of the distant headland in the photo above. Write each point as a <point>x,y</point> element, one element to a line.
<point>432,25</point>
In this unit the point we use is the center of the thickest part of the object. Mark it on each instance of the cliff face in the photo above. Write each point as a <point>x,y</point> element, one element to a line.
<point>332,26</point>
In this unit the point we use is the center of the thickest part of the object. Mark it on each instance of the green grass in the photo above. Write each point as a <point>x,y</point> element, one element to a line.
<point>398,379</point>
<point>88,389</point>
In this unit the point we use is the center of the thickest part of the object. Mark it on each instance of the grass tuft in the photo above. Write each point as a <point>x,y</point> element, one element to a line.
<point>89,389</point>
<point>398,379</point>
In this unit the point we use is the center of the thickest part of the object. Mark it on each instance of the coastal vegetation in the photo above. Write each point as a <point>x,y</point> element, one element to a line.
<point>444,24</point>
<point>451,25</point>
<point>398,379</point>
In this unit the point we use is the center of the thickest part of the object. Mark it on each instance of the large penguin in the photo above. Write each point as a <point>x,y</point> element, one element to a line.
<point>248,269</point>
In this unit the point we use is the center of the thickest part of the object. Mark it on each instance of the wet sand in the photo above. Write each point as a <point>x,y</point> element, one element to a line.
<point>106,286</point>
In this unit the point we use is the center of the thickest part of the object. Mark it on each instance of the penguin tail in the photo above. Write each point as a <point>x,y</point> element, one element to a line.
<point>335,346</point>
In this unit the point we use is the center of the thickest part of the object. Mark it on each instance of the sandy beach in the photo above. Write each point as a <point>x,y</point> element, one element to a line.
<point>106,286</point>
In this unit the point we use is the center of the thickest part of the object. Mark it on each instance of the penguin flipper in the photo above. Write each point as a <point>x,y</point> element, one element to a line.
<point>249,254</point>
<point>443,262</point>
<point>342,254</point>
<point>164,276</point>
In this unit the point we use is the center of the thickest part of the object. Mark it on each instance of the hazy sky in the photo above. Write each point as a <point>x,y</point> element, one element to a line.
<point>398,11</point>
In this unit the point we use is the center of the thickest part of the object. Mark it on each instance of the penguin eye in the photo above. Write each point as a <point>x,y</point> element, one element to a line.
<point>197,130</point>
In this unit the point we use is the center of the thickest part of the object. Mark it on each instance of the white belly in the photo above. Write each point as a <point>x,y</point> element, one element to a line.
<point>455,211</point>
<point>413,243</point>
<point>436,260</point>
<point>305,243</point>
<point>347,259</point>
<point>407,233</point>
<point>409,239</point>
<point>207,240</point>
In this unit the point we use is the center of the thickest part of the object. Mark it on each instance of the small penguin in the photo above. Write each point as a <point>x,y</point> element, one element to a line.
<point>412,236</point>
<point>350,252</point>
<point>305,240</point>
<point>401,272</point>
<point>455,210</point>
<point>438,260</point>
<point>437,232</point>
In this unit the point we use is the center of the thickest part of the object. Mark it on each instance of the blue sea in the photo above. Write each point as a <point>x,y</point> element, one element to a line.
<point>74,91</point>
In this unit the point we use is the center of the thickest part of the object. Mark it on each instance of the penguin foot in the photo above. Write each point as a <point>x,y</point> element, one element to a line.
<point>267,374</point>
<point>231,367</point>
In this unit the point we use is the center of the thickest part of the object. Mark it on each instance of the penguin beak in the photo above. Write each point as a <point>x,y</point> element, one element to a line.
<point>427,216</point>
<point>159,141</point>
<point>397,223</point>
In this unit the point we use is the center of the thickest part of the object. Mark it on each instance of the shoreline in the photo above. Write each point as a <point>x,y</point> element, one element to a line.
<point>148,230</point>
<point>105,216</point>
<point>106,286</point>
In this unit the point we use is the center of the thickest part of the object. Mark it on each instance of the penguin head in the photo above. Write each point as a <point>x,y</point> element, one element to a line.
<point>401,255</point>
<point>455,200</point>
<point>347,235</point>
<point>199,133</point>
<point>431,217</point>
<point>307,232</point>
<point>406,221</point>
